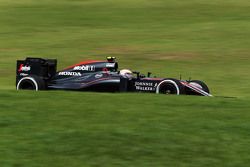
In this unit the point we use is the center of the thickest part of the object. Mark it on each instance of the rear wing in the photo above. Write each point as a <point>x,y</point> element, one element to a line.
<point>44,68</point>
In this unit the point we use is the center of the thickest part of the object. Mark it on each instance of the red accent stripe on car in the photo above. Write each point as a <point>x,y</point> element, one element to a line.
<point>97,80</point>
<point>84,63</point>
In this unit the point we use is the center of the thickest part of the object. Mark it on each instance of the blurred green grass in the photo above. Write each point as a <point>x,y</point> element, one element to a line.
<point>101,129</point>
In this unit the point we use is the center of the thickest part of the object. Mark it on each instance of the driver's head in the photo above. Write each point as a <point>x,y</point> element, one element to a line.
<point>126,73</point>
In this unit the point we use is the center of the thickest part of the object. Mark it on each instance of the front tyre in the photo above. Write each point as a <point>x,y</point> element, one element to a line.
<point>170,86</point>
<point>199,84</point>
<point>31,83</point>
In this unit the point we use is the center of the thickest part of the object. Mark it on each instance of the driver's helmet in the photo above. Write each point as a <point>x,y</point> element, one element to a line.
<point>126,73</point>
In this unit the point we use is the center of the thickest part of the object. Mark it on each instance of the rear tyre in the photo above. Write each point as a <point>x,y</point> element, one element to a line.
<point>170,86</point>
<point>200,84</point>
<point>31,83</point>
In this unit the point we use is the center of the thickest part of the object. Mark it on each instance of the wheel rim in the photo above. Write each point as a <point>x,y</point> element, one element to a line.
<point>168,89</point>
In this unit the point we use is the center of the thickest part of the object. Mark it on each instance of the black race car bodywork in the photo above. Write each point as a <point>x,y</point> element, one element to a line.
<point>41,74</point>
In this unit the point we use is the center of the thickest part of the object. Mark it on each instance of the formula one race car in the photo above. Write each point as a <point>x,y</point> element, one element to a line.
<point>40,74</point>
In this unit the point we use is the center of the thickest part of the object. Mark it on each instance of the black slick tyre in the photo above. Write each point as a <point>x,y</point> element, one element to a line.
<point>31,83</point>
<point>170,86</point>
<point>200,84</point>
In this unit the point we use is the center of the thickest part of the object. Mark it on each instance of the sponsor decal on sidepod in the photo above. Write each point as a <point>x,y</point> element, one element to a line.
<point>84,68</point>
<point>98,75</point>
<point>66,73</point>
<point>146,86</point>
